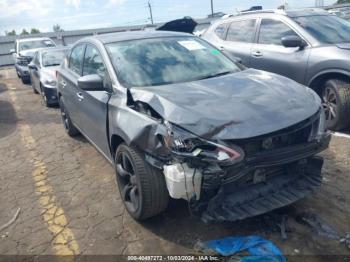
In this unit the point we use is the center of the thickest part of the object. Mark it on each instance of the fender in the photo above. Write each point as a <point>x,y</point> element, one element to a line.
<point>329,71</point>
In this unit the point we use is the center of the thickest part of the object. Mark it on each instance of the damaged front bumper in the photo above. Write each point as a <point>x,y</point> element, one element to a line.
<point>262,182</point>
<point>267,181</point>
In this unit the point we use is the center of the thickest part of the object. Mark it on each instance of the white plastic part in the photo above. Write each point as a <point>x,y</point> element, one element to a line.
<point>182,181</point>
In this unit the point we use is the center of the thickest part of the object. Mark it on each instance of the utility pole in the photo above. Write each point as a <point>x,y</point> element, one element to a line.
<point>150,10</point>
<point>212,7</point>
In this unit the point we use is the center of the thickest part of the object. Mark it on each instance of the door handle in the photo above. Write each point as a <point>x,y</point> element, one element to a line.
<point>63,84</point>
<point>80,96</point>
<point>257,53</point>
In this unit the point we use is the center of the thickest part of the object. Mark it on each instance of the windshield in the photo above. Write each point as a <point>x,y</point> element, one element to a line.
<point>53,58</point>
<point>328,29</point>
<point>35,44</point>
<point>160,61</point>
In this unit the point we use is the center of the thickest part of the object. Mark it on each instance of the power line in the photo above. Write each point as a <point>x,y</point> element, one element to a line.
<point>212,7</point>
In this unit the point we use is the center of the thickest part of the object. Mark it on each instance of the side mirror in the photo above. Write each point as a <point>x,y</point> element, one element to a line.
<point>32,66</point>
<point>12,51</point>
<point>293,41</point>
<point>91,83</point>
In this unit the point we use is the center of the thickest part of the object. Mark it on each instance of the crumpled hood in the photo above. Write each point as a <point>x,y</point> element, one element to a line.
<point>236,106</point>
<point>49,72</point>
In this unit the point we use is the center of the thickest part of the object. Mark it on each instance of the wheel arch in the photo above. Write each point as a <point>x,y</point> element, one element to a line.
<point>116,140</point>
<point>316,82</point>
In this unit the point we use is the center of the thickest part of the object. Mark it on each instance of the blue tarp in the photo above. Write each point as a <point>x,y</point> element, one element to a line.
<point>259,248</point>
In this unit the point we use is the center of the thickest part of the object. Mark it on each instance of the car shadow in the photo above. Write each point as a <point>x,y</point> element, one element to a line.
<point>8,118</point>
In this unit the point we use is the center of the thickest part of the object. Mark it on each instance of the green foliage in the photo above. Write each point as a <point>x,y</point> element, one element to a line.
<point>57,28</point>
<point>34,31</point>
<point>24,32</point>
<point>9,33</point>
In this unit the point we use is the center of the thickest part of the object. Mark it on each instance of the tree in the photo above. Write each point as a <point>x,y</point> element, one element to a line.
<point>343,1</point>
<point>13,32</point>
<point>24,32</point>
<point>57,28</point>
<point>34,31</point>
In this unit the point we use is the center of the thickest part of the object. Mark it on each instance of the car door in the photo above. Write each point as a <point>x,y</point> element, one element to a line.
<point>35,71</point>
<point>94,104</point>
<point>269,54</point>
<point>239,39</point>
<point>69,82</point>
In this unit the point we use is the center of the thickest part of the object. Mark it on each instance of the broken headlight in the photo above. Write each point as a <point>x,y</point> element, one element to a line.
<point>187,145</point>
<point>318,127</point>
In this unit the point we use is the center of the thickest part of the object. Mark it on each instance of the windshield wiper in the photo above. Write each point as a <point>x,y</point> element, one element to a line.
<point>52,65</point>
<point>216,75</point>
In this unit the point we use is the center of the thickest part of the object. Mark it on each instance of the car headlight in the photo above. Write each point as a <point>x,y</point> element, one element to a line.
<point>319,127</point>
<point>187,145</point>
<point>50,82</point>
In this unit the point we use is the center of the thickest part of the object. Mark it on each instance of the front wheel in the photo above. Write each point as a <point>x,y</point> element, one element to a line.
<point>71,130</point>
<point>141,186</point>
<point>336,102</point>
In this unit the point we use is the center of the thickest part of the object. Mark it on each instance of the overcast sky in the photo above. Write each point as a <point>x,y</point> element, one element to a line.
<point>83,14</point>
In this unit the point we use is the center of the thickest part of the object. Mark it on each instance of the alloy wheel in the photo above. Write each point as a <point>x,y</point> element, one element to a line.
<point>128,182</point>
<point>330,104</point>
<point>64,117</point>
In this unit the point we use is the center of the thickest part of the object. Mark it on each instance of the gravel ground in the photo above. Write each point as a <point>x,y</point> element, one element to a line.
<point>69,203</point>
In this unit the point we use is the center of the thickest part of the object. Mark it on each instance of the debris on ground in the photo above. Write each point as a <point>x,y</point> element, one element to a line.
<point>11,221</point>
<point>346,240</point>
<point>259,249</point>
<point>276,222</point>
<point>318,225</point>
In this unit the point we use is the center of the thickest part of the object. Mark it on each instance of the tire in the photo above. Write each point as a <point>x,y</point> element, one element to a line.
<point>336,100</point>
<point>151,190</point>
<point>34,90</point>
<point>71,130</point>
<point>44,97</point>
<point>25,80</point>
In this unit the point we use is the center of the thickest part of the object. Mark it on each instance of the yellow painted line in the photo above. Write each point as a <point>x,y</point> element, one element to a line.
<point>64,242</point>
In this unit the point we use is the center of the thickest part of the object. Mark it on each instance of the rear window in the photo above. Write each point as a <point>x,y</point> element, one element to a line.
<point>35,44</point>
<point>242,31</point>
<point>221,30</point>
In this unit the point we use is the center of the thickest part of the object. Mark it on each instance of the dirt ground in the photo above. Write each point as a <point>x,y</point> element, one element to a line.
<point>69,203</point>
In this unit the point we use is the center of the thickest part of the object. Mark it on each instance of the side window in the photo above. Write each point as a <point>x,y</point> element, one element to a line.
<point>221,30</point>
<point>271,32</point>
<point>242,31</point>
<point>76,59</point>
<point>93,63</point>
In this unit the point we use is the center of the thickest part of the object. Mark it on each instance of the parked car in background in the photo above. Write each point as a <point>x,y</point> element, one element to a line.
<point>309,46</point>
<point>177,117</point>
<point>342,10</point>
<point>42,71</point>
<point>24,51</point>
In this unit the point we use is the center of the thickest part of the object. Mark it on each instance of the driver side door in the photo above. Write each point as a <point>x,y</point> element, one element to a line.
<point>94,104</point>
<point>269,54</point>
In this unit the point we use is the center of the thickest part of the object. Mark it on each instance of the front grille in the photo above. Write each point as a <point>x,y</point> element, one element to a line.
<point>24,60</point>
<point>294,135</point>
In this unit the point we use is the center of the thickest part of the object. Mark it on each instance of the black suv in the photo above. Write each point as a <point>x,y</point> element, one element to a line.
<point>310,46</point>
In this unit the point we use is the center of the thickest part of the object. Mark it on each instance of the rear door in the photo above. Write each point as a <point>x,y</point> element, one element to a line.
<point>239,39</point>
<point>269,54</point>
<point>93,104</point>
<point>69,82</point>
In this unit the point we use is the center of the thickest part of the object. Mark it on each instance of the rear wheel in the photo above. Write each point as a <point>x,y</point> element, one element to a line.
<point>34,90</point>
<point>67,123</point>
<point>336,102</point>
<point>141,186</point>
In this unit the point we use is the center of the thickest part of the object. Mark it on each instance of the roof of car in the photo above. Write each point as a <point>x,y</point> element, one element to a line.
<point>288,12</point>
<point>134,35</point>
<point>33,39</point>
